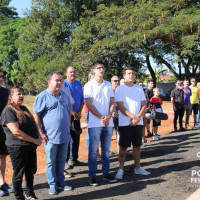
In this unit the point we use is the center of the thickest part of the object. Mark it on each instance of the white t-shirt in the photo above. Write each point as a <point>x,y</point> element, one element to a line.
<point>131,98</point>
<point>100,94</point>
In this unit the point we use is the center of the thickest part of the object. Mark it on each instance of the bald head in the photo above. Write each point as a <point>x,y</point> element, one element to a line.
<point>71,74</point>
<point>115,82</point>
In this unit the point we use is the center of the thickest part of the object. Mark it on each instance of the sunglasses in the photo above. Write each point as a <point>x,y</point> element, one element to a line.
<point>115,80</point>
<point>2,76</point>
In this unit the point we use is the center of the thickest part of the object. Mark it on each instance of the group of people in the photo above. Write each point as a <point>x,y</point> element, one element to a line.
<point>185,99</point>
<point>56,123</point>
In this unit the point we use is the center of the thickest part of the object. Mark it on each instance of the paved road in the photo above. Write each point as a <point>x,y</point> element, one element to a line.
<point>171,161</point>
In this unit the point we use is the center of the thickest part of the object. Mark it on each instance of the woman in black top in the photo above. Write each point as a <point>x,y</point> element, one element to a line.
<point>21,141</point>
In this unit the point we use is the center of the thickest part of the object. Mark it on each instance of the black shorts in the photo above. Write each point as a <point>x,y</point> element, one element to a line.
<point>148,121</point>
<point>130,134</point>
<point>3,148</point>
<point>156,122</point>
<point>194,108</point>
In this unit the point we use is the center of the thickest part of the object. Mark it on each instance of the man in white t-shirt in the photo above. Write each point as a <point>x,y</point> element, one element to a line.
<point>99,98</point>
<point>131,103</point>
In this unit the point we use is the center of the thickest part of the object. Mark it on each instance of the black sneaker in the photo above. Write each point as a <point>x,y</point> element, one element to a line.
<point>175,129</point>
<point>182,129</point>
<point>31,196</point>
<point>109,178</point>
<point>149,134</point>
<point>92,181</point>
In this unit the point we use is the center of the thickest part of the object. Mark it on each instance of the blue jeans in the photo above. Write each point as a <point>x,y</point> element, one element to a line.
<point>56,155</point>
<point>116,126</point>
<point>198,114</point>
<point>95,135</point>
<point>87,135</point>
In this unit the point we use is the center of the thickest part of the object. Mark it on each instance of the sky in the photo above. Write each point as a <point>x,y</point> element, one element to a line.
<point>21,5</point>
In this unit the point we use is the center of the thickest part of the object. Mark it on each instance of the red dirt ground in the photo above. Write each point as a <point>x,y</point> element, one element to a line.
<point>166,128</point>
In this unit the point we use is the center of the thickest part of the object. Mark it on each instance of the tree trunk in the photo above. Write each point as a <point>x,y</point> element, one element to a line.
<point>151,70</point>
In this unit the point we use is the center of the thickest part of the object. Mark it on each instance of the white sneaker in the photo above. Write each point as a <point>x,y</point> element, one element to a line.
<point>155,137</point>
<point>119,174</point>
<point>141,171</point>
<point>65,187</point>
<point>159,137</point>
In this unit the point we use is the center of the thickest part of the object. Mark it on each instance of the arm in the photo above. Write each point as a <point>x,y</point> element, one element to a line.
<point>77,115</point>
<point>14,128</point>
<point>184,90</point>
<point>92,109</point>
<point>134,118</point>
<point>105,119</point>
<point>140,114</point>
<point>143,109</point>
<point>38,123</point>
<point>172,100</point>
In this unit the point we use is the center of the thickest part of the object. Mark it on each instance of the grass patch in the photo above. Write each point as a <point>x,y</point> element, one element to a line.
<point>28,102</point>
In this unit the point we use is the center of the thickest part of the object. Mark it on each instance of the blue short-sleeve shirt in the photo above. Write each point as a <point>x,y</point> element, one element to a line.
<point>76,91</point>
<point>54,115</point>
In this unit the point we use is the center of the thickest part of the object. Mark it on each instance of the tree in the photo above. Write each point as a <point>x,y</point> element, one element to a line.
<point>118,32</point>
<point>6,13</point>
<point>166,31</point>
<point>8,51</point>
<point>48,33</point>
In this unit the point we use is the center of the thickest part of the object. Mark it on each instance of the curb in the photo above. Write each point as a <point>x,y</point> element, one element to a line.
<point>195,195</point>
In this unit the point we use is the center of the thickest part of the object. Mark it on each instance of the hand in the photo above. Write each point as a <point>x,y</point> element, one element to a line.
<point>77,116</point>
<point>105,120</point>
<point>44,138</point>
<point>174,108</point>
<point>38,142</point>
<point>134,120</point>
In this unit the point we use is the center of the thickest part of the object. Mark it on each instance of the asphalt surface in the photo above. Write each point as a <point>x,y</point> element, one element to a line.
<point>174,163</point>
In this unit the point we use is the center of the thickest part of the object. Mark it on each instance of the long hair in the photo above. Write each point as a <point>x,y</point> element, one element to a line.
<point>21,113</point>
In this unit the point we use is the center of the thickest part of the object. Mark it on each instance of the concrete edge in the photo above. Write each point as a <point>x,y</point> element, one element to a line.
<point>195,195</point>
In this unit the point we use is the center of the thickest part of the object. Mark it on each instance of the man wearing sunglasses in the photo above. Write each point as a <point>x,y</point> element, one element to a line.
<point>194,99</point>
<point>115,83</point>
<point>4,188</point>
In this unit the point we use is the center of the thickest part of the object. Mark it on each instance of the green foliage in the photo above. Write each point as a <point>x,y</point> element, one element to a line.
<point>8,50</point>
<point>58,33</point>
<point>161,29</point>
<point>6,13</point>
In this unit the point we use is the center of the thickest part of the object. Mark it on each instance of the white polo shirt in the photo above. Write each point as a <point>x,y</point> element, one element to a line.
<point>100,94</point>
<point>131,98</point>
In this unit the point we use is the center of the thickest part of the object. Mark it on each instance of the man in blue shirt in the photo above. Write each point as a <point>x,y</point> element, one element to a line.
<point>52,112</point>
<point>76,91</point>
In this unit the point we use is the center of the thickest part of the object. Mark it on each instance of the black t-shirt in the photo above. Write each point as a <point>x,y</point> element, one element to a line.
<point>3,102</point>
<point>149,95</point>
<point>3,98</point>
<point>178,96</point>
<point>28,126</point>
